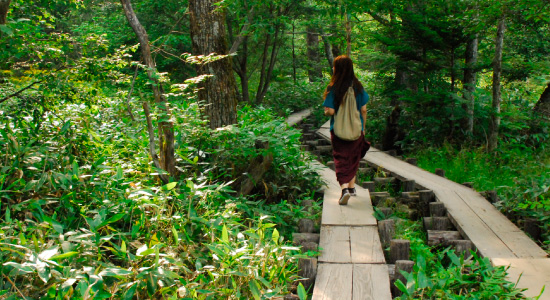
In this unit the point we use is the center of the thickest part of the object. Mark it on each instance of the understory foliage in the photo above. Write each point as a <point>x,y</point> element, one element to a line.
<point>84,216</point>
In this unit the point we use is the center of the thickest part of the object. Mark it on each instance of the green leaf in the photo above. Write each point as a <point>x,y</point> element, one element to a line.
<point>255,289</point>
<point>19,267</point>
<point>129,295</point>
<point>169,186</point>
<point>6,29</point>
<point>399,284</point>
<point>275,236</point>
<point>64,255</point>
<point>225,235</point>
<point>302,292</point>
<point>114,272</point>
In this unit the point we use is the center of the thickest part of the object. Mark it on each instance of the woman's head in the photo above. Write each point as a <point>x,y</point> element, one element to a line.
<point>343,68</point>
<point>342,77</point>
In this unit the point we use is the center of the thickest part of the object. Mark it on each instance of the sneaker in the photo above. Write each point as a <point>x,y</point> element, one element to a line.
<point>352,191</point>
<point>345,197</point>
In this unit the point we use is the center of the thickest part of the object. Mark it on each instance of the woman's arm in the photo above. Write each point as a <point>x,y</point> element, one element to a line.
<point>364,114</point>
<point>329,111</point>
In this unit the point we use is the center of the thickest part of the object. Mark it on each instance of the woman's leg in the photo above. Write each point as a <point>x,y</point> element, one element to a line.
<point>352,182</point>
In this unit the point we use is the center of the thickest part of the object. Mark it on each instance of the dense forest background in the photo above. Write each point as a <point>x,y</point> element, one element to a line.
<point>129,130</point>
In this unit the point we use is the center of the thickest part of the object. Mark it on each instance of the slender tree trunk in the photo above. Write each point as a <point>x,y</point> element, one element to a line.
<point>315,71</point>
<point>262,89</point>
<point>497,97</point>
<point>293,53</point>
<point>243,70</point>
<point>263,71</point>
<point>4,7</point>
<point>543,105</point>
<point>328,52</point>
<point>166,128</point>
<point>348,34</point>
<point>470,81</point>
<point>208,36</point>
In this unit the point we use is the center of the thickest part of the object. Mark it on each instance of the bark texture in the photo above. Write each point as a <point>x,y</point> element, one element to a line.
<point>497,96</point>
<point>314,70</point>
<point>543,105</point>
<point>4,7</point>
<point>208,36</point>
<point>470,76</point>
<point>166,128</point>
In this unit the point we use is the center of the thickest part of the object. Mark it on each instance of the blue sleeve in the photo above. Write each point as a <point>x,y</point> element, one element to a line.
<point>364,98</point>
<point>329,100</point>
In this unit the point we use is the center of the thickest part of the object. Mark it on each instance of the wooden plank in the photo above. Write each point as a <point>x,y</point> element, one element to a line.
<point>365,245</point>
<point>333,282</point>
<point>296,118</point>
<point>531,273</point>
<point>335,244</point>
<point>371,282</point>
<point>357,212</point>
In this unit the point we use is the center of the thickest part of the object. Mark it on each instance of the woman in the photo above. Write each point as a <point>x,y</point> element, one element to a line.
<point>347,154</point>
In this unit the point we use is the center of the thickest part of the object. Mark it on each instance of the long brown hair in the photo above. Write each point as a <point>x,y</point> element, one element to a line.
<point>343,75</point>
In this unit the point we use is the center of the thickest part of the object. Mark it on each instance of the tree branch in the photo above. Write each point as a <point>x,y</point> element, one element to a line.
<point>242,34</point>
<point>20,91</point>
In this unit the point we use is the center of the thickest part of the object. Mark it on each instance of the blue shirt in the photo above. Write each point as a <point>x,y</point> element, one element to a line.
<point>360,98</point>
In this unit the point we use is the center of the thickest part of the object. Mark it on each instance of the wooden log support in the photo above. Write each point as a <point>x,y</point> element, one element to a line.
<point>532,227</point>
<point>411,160</point>
<point>306,126</point>
<point>437,223</point>
<point>440,172</point>
<point>386,230</point>
<point>436,237</point>
<point>323,142</point>
<point>468,184</point>
<point>377,197</point>
<point>301,238</point>
<point>399,250</point>
<point>258,166</point>
<point>438,209</point>
<point>426,196</point>
<point>363,164</point>
<point>310,246</point>
<point>365,171</point>
<point>291,297</point>
<point>330,164</point>
<point>400,265</point>
<point>386,211</point>
<point>312,143</point>
<point>306,226</point>
<point>369,185</point>
<point>410,195</point>
<point>409,185</point>
<point>392,152</point>
<point>324,149</point>
<point>307,269</point>
<point>383,182</point>
<point>491,196</point>
<point>304,147</point>
<point>308,137</point>
<point>316,153</point>
<point>463,247</point>
<point>318,194</point>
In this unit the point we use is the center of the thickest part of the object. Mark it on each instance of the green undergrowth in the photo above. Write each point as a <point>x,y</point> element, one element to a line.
<point>84,215</point>
<point>440,273</point>
<point>518,173</point>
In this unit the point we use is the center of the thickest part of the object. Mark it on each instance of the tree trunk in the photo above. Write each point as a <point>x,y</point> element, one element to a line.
<point>348,34</point>
<point>543,105</point>
<point>4,7</point>
<point>166,128</point>
<point>243,70</point>
<point>266,74</point>
<point>470,81</point>
<point>208,36</point>
<point>328,52</point>
<point>293,52</point>
<point>497,97</point>
<point>314,71</point>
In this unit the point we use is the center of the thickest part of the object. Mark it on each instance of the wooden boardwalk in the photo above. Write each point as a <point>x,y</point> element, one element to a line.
<point>351,264</point>
<point>495,237</point>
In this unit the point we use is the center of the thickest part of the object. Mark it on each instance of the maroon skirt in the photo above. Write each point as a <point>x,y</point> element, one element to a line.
<point>347,155</point>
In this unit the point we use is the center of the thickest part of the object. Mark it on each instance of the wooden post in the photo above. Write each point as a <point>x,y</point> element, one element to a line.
<point>307,268</point>
<point>312,143</point>
<point>310,246</point>
<point>462,247</point>
<point>411,160</point>
<point>376,197</point>
<point>330,164</point>
<point>468,184</point>
<point>363,164</point>
<point>319,194</point>
<point>392,152</point>
<point>401,265</point>
<point>386,230</point>
<point>306,226</point>
<point>409,185</point>
<point>438,209</point>
<point>491,196</point>
<point>301,238</point>
<point>369,185</point>
<point>291,297</point>
<point>436,237</point>
<point>426,196</point>
<point>399,250</point>
<point>440,172</point>
<point>532,227</point>
<point>437,223</point>
<point>386,211</point>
